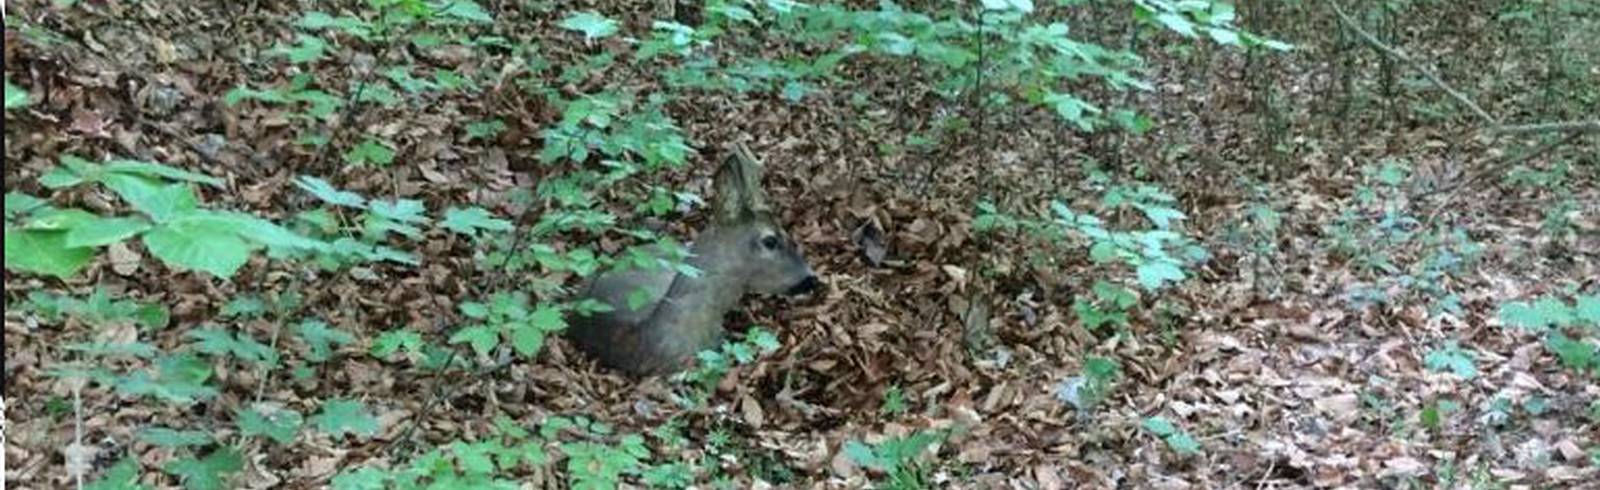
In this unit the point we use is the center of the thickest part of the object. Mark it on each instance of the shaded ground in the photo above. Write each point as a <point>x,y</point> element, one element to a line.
<point>1265,357</point>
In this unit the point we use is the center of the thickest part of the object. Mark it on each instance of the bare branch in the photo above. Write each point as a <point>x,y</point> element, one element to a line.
<point>1426,73</point>
<point>1581,127</point>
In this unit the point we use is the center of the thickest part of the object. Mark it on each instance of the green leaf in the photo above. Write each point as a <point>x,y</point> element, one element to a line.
<point>319,339</point>
<point>1183,443</point>
<point>480,337</point>
<point>339,417</point>
<point>468,221</point>
<point>366,478</point>
<point>1162,216</point>
<point>548,318</point>
<point>122,476</point>
<point>189,245</point>
<point>308,48</point>
<point>244,306</point>
<point>465,10</point>
<point>44,252</point>
<point>485,129</point>
<point>316,21</point>
<point>403,210</point>
<point>156,170</point>
<point>159,202</point>
<point>527,340</point>
<point>1588,310</point>
<point>1177,23</point>
<point>1152,275</point>
<point>268,419</point>
<point>592,25</point>
<point>19,204</point>
<point>1577,354</point>
<point>321,189</point>
<point>371,151</point>
<point>1224,37</point>
<point>1452,358</point>
<point>16,97</point>
<point>393,341</point>
<point>210,473</point>
<point>105,231</point>
<point>170,438</point>
<point>1160,426</point>
<point>1540,315</point>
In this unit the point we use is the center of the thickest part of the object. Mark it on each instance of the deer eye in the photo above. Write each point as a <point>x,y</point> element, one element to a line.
<point>770,242</point>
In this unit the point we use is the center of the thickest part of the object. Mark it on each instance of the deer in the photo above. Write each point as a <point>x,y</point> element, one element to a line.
<point>743,250</point>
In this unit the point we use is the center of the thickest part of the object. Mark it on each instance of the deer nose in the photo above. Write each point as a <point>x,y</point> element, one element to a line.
<point>807,285</point>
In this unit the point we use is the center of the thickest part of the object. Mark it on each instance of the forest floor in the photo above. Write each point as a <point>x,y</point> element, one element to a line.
<point>1312,349</point>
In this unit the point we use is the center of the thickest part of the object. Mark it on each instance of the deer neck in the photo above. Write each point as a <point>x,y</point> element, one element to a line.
<point>689,318</point>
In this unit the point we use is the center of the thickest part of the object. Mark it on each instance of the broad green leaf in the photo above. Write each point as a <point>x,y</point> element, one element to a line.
<point>1152,275</point>
<point>393,341</point>
<point>188,245</point>
<point>468,221</point>
<point>44,252</point>
<point>1539,315</point>
<point>370,151</point>
<point>105,231</point>
<point>366,478</point>
<point>138,350</point>
<point>339,417</point>
<point>480,337</point>
<point>403,210</point>
<point>466,10</point>
<point>244,306</point>
<point>1160,426</point>
<point>165,437</point>
<point>316,21</point>
<point>19,204</point>
<point>1162,216</point>
<point>209,473</point>
<point>268,419</point>
<point>308,48</point>
<point>527,339</point>
<point>1451,357</point>
<point>1588,310</point>
<point>60,220</point>
<point>1224,37</point>
<point>1177,23</point>
<point>548,318</point>
<point>1183,443</point>
<point>320,339</point>
<point>16,97</point>
<point>155,170</point>
<point>122,476</point>
<point>591,24</point>
<point>251,228</point>
<point>159,202</point>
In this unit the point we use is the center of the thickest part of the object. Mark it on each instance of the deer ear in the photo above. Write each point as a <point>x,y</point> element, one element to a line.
<point>738,186</point>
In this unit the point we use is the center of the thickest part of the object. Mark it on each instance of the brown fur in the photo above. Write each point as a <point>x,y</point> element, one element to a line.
<point>743,251</point>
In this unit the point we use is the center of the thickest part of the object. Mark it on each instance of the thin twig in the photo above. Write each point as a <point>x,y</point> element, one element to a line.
<point>1426,73</point>
<point>1574,127</point>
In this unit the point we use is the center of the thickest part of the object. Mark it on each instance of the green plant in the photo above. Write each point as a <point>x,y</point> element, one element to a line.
<point>1088,389</point>
<point>1156,256</point>
<point>714,364</point>
<point>1392,250</point>
<point>1452,358</point>
<point>16,97</point>
<point>1571,330</point>
<point>98,309</point>
<point>899,459</point>
<point>1176,438</point>
<point>169,222</point>
<point>894,401</point>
